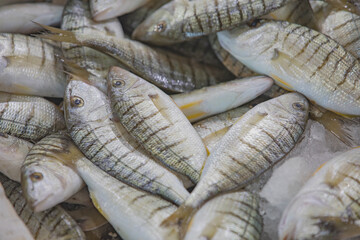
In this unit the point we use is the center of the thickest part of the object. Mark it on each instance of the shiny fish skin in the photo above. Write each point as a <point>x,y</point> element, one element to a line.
<point>212,129</point>
<point>327,206</point>
<point>47,175</point>
<point>182,20</point>
<point>155,121</point>
<point>300,59</point>
<point>110,147</point>
<point>105,9</point>
<point>29,66</point>
<point>232,216</point>
<point>77,18</point>
<point>11,226</point>
<point>13,151</point>
<point>19,18</point>
<point>229,61</point>
<point>344,27</point>
<point>53,224</point>
<point>164,69</point>
<point>202,103</point>
<point>133,213</point>
<point>258,140</point>
<point>29,117</point>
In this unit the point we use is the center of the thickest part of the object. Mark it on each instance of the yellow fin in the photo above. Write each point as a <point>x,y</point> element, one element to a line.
<point>318,169</point>
<point>180,219</point>
<point>345,115</point>
<point>207,150</point>
<point>189,105</point>
<point>97,205</point>
<point>282,84</point>
<point>195,116</point>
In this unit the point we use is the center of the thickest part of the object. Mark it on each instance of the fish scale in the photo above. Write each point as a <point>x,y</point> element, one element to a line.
<point>51,224</point>
<point>29,117</point>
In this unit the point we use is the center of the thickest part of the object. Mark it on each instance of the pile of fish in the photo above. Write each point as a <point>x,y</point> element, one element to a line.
<point>165,119</point>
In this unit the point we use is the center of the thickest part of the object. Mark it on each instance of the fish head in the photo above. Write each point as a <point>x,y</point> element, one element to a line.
<point>42,185</point>
<point>84,103</point>
<point>292,106</point>
<point>159,28</point>
<point>252,41</point>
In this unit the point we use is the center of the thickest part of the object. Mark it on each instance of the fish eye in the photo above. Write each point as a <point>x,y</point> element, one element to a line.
<point>255,23</point>
<point>77,102</point>
<point>36,176</point>
<point>118,83</point>
<point>298,106</point>
<point>160,27</point>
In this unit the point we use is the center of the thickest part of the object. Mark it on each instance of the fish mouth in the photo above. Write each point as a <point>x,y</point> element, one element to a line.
<point>39,206</point>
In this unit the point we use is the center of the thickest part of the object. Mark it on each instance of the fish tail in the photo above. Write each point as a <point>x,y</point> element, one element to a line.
<point>180,219</point>
<point>58,35</point>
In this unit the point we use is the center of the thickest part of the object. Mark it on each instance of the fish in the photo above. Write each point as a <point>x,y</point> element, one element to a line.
<point>182,20</point>
<point>7,2</point>
<point>343,27</point>
<point>30,66</point>
<point>167,70</point>
<point>347,5</point>
<point>327,205</point>
<point>28,117</point>
<point>230,62</point>
<point>47,174</point>
<point>52,224</point>
<point>228,216</point>
<point>11,226</point>
<point>19,18</point>
<point>77,18</point>
<point>156,122</point>
<point>202,103</point>
<point>105,9</point>
<point>212,129</point>
<point>254,144</point>
<point>13,151</point>
<point>104,141</point>
<point>127,209</point>
<point>299,59</point>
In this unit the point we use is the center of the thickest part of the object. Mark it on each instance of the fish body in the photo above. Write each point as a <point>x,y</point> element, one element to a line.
<point>327,206</point>
<point>109,146</point>
<point>19,18</point>
<point>29,66</point>
<point>156,122</point>
<point>182,20</point>
<point>105,9</point>
<point>202,103</point>
<point>29,117</point>
<point>232,216</point>
<point>13,151</point>
<point>255,143</point>
<point>11,225</point>
<point>47,175</point>
<point>133,213</point>
<point>52,224</point>
<point>299,59</point>
<point>77,18</point>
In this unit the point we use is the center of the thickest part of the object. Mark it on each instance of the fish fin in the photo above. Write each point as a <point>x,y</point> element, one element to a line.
<point>88,218</point>
<point>57,34</point>
<point>282,83</point>
<point>75,70</point>
<point>337,125</point>
<point>180,219</point>
<point>318,169</point>
<point>195,117</point>
<point>189,105</point>
<point>161,105</point>
<point>339,227</point>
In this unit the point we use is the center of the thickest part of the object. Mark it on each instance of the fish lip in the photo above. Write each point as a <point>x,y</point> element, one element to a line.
<point>102,15</point>
<point>37,206</point>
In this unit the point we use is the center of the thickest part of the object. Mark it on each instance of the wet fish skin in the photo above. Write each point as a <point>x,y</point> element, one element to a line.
<point>29,66</point>
<point>105,9</point>
<point>53,224</point>
<point>258,140</point>
<point>228,216</point>
<point>300,59</point>
<point>108,145</point>
<point>11,226</point>
<point>327,205</point>
<point>127,209</point>
<point>28,117</point>
<point>19,18</point>
<point>13,151</point>
<point>202,103</point>
<point>47,174</point>
<point>155,121</point>
<point>77,18</point>
<point>182,20</point>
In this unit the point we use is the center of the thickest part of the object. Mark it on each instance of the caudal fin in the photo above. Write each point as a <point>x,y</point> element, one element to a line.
<point>180,219</point>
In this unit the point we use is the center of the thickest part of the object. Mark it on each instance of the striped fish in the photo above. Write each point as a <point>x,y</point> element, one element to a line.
<point>327,206</point>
